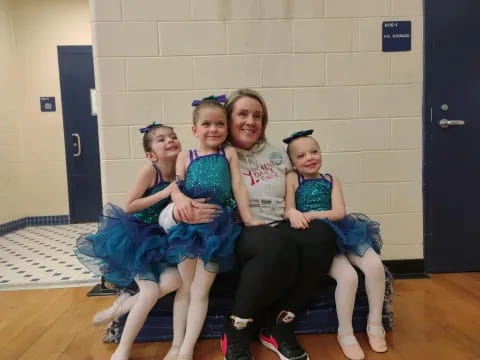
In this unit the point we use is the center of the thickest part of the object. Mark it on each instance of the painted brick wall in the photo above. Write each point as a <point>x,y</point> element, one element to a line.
<point>318,64</point>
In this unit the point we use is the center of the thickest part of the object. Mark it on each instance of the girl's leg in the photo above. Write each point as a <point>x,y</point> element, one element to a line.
<point>169,281</point>
<point>197,311</point>
<point>372,267</point>
<point>122,305</point>
<point>186,270</point>
<point>148,296</point>
<point>347,282</point>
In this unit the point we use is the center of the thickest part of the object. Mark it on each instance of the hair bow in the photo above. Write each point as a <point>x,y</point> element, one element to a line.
<point>220,98</point>
<point>301,133</point>
<point>148,127</point>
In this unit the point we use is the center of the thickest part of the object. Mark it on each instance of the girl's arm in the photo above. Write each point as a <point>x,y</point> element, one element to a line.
<point>338,205</point>
<point>297,219</point>
<point>183,204</point>
<point>239,191</point>
<point>145,179</point>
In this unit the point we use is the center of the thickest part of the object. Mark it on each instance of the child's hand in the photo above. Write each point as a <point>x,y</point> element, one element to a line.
<point>254,222</point>
<point>298,220</point>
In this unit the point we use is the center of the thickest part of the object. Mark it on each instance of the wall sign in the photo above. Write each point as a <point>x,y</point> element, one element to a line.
<point>47,103</point>
<point>396,36</point>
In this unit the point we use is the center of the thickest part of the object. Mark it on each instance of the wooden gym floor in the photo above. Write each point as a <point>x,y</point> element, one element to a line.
<point>436,318</point>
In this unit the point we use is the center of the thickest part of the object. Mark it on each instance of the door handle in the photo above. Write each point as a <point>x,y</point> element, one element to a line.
<point>445,123</point>
<point>77,144</point>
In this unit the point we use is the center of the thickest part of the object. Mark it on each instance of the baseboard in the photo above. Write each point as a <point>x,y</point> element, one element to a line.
<point>33,221</point>
<point>407,269</point>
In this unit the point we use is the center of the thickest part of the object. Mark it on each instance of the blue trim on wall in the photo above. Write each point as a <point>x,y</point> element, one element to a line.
<point>33,221</point>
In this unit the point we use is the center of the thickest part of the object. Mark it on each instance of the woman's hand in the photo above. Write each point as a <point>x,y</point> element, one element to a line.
<point>183,207</point>
<point>201,212</point>
<point>298,220</point>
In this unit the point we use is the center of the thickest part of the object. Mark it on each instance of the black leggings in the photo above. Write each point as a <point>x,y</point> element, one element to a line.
<point>281,267</point>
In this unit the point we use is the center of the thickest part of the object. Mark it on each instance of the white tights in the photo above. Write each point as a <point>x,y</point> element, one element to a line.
<point>347,282</point>
<point>141,304</point>
<point>190,308</point>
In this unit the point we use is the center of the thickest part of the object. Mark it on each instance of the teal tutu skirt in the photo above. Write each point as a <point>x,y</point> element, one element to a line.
<point>123,248</point>
<point>356,233</point>
<point>213,243</point>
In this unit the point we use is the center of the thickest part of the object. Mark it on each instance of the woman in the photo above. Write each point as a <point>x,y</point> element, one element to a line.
<point>280,267</point>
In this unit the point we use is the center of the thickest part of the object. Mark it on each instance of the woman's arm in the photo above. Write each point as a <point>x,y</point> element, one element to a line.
<point>135,201</point>
<point>202,213</point>
<point>297,219</point>
<point>239,191</point>
<point>338,205</point>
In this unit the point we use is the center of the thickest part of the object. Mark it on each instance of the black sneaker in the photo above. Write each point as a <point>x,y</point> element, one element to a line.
<point>235,343</point>
<point>281,339</point>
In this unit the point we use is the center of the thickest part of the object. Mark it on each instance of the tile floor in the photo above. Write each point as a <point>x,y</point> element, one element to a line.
<point>42,257</point>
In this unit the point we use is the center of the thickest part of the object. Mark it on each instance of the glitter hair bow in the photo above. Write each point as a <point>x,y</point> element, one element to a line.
<point>220,98</point>
<point>148,127</point>
<point>301,133</point>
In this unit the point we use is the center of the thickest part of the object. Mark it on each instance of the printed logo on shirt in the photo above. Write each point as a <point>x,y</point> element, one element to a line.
<point>276,157</point>
<point>264,172</point>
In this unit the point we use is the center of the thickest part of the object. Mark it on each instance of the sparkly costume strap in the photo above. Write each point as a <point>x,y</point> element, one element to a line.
<point>300,178</point>
<point>190,152</point>
<point>222,152</point>
<point>158,175</point>
<point>328,178</point>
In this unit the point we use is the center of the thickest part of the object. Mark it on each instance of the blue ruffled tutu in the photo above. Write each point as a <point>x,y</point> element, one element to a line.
<point>356,233</point>
<point>123,248</point>
<point>213,242</point>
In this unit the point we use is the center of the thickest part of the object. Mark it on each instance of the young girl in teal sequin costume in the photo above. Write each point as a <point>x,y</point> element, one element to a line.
<point>201,250</point>
<point>130,245</point>
<point>311,196</point>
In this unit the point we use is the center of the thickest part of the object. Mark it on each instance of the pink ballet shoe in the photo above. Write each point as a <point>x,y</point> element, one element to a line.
<point>376,337</point>
<point>350,347</point>
<point>111,313</point>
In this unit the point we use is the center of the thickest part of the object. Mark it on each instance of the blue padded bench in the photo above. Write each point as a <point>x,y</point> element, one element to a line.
<point>320,317</point>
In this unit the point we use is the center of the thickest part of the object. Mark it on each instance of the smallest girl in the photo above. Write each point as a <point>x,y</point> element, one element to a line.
<point>201,250</point>
<point>310,196</point>
<point>130,245</point>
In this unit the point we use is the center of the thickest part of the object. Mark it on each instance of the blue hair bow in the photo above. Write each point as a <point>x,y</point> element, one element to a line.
<point>220,99</point>
<point>301,133</point>
<point>148,127</point>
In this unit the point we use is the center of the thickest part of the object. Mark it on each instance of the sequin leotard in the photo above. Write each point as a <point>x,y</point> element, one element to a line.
<point>355,232</point>
<point>209,177</point>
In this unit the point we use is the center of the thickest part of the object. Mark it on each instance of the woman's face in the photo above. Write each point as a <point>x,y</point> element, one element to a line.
<point>246,123</point>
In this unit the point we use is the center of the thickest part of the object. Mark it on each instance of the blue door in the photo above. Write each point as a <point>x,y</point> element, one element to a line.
<point>81,133</point>
<point>452,135</point>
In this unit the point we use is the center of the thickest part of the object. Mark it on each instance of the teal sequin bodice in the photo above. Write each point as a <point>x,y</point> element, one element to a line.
<point>208,176</point>
<point>150,214</point>
<point>314,195</point>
